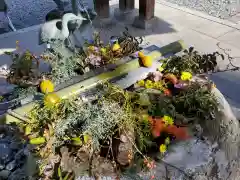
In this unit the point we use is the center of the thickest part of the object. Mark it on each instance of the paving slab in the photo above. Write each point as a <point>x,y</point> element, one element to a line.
<point>235,18</point>
<point>231,37</point>
<point>197,13</point>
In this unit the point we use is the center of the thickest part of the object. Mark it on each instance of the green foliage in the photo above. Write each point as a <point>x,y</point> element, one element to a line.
<point>144,136</point>
<point>24,69</point>
<point>161,106</point>
<point>191,61</point>
<point>18,95</point>
<point>72,118</point>
<point>128,46</point>
<point>41,115</point>
<point>98,120</point>
<point>129,43</point>
<point>196,101</point>
<point>1,98</point>
<point>23,92</point>
<point>135,112</point>
<point>24,72</point>
<point>117,110</point>
<point>96,40</point>
<point>62,69</point>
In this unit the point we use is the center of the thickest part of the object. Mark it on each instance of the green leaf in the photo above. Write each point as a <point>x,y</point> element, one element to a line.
<point>77,141</point>
<point>66,177</point>
<point>86,138</point>
<point>28,129</point>
<point>37,141</point>
<point>60,173</point>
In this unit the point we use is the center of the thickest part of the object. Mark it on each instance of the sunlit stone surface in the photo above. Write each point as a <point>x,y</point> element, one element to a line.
<point>219,8</point>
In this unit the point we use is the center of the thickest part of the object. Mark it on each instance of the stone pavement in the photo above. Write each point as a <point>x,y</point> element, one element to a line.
<point>173,23</point>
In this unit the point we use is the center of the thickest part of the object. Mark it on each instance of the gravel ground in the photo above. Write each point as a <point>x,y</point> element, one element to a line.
<point>219,8</point>
<point>25,13</point>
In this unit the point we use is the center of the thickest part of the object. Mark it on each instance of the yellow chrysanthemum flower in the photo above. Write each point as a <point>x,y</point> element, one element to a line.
<point>141,83</point>
<point>167,141</point>
<point>185,76</point>
<point>148,84</point>
<point>158,85</point>
<point>168,120</point>
<point>155,85</point>
<point>163,148</point>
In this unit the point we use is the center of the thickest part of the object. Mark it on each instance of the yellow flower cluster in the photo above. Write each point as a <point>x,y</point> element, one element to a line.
<point>185,76</point>
<point>141,83</point>
<point>148,84</point>
<point>168,120</point>
<point>163,147</point>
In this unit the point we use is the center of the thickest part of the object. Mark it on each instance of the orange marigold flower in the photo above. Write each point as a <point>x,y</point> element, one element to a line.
<point>167,92</point>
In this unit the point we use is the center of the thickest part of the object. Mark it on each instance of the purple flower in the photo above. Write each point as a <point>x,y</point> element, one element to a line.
<point>134,55</point>
<point>94,60</point>
<point>96,49</point>
<point>91,41</point>
<point>155,76</point>
<point>180,85</point>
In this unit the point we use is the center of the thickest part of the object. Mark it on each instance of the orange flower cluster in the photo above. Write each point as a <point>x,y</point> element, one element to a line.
<point>130,156</point>
<point>150,164</point>
<point>158,126</point>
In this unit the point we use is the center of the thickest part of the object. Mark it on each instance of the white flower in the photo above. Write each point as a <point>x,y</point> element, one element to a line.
<point>4,70</point>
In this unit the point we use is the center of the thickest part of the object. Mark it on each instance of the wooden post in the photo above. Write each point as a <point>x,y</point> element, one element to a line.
<point>126,5</point>
<point>3,6</point>
<point>125,12</point>
<point>146,17</point>
<point>146,9</point>
<point>102,8</point>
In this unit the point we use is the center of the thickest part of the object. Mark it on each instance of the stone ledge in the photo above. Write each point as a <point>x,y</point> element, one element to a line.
<point>144,24</point>
<point>125,15</point>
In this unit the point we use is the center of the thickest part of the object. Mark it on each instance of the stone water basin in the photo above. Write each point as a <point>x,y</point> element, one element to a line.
<point>199,159</point>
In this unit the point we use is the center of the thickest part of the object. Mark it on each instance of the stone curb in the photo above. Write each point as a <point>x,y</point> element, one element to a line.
<point>18,32</point>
